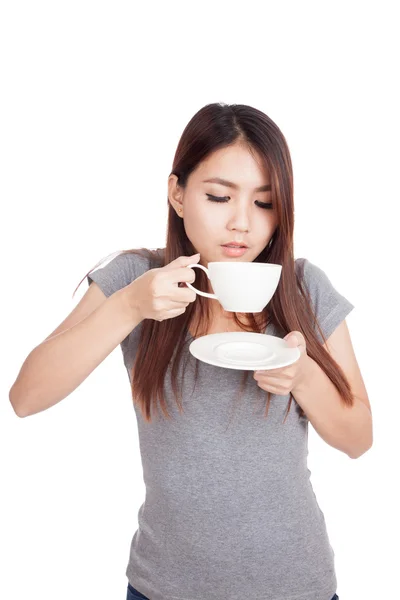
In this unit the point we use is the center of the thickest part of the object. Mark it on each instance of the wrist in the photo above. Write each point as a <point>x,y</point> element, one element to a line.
<point>307,375</point>
<point>128,307</point>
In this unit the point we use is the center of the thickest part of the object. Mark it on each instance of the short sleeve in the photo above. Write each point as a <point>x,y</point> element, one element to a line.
<point>330,306</point>
<point>116,274</point>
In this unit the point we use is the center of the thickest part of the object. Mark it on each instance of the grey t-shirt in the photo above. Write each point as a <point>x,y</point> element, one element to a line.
<point>229,512</point>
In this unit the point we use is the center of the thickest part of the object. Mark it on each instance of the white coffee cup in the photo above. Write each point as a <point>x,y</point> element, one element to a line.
<point>244,287</point>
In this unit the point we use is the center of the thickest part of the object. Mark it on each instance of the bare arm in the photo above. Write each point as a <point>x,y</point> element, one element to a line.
<point>57,366</point>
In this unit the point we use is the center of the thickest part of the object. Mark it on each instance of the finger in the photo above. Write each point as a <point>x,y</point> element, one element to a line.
<point>270,372</point>
<point>182,274</point>
<point>178,303</point>
<point>181,261</point>
<point>269,388</point>
<point>273,381</point>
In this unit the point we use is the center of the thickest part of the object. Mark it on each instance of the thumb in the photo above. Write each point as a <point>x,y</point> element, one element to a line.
<point>295,339</point>
<point>189,259</point>
<point>291,339</point>
<point>182,261</point>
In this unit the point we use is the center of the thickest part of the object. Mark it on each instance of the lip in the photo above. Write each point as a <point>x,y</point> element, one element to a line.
<point>237,244</point>
<point>234,251</point>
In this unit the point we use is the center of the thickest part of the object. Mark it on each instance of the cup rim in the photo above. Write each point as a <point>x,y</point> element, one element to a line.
<point>258,264</point>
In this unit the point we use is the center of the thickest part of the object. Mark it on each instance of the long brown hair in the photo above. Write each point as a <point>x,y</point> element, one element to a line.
<point>216,126</point>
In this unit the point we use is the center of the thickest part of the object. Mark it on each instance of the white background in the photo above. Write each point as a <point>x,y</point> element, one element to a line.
<point>95,96</point>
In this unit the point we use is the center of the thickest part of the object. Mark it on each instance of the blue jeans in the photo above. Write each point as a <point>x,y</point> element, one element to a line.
<point>133,594</point>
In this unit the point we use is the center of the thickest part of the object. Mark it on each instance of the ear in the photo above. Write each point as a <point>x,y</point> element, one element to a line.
<point>175,193</point>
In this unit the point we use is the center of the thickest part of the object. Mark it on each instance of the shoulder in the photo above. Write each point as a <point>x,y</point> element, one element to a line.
<point>313,276</point>
<point>125,267</point>
<point>140,260</point>
<point>137,260</point>
<point>328,301</point>
<point>307,269</point>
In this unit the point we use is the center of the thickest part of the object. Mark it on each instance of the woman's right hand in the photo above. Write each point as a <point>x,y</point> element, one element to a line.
<point>156,294</point>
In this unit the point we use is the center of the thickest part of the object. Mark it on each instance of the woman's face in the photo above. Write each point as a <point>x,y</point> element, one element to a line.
<point>242,218</point>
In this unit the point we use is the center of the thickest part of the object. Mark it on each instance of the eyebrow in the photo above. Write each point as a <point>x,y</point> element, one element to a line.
<point>263,188</point>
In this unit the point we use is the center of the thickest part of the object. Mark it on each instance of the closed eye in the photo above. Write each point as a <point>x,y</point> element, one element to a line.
<point>226,198</point>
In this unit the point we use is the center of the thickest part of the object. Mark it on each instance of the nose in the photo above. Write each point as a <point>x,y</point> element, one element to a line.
<point>239,220</point>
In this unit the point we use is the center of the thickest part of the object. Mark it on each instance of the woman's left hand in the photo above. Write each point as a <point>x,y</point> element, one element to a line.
<point>284,380</point>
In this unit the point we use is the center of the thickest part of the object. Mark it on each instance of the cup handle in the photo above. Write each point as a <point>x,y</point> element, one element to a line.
<point>189,285</point>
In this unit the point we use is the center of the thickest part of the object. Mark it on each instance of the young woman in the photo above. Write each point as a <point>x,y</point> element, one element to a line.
<point>229,512</point>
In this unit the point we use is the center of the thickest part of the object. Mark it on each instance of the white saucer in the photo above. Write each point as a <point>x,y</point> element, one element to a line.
<point>244,351</point>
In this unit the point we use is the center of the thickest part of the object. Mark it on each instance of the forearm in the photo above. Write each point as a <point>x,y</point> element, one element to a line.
<point>348,429</point>
<point>61,363</point>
